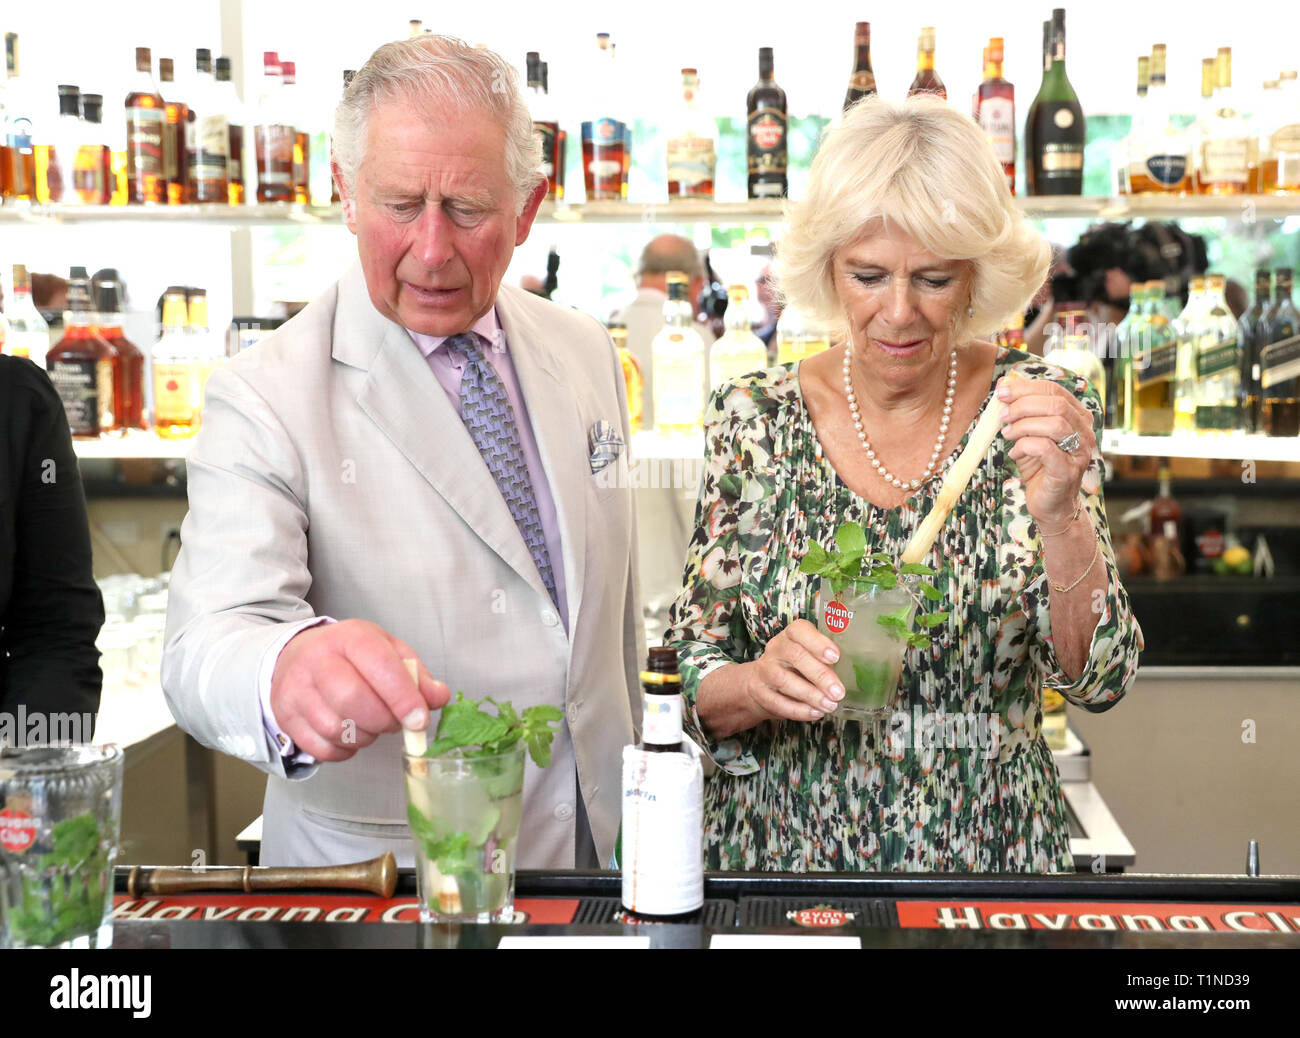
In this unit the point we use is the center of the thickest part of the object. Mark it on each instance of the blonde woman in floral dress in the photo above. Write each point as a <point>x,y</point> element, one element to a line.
<point>910,245</point>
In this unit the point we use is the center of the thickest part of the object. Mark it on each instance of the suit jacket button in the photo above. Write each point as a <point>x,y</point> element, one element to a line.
<point>549,618</point>
<point>564,812</point>
<point>573,714</point>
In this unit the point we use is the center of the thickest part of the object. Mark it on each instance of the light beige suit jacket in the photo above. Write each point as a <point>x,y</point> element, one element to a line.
<point>333,477</point>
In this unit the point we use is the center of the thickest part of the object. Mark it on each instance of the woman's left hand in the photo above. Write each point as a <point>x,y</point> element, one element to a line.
<point>1039,413</point>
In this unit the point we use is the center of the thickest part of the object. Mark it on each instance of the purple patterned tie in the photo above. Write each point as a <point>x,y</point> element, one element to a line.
<point>485,409</point>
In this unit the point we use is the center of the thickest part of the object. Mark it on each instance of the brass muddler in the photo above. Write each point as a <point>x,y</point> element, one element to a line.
<point>376,876</point>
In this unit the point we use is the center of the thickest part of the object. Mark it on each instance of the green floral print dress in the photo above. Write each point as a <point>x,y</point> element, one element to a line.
<point>835,795</point>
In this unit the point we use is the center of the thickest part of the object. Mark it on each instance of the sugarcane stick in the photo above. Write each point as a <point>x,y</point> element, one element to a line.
<point>441,890</point>
<point>956,480</point>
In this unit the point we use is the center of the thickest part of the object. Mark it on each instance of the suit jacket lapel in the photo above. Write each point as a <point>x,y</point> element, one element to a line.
<point>405,401</point>
<point>557,428</point>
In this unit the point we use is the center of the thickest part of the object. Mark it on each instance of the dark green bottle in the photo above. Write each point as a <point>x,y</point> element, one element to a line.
<point>1055,128</point>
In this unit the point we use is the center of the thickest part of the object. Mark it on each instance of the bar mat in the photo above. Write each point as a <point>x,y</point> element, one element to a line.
<point>606,911</point>
<point>817,913</point>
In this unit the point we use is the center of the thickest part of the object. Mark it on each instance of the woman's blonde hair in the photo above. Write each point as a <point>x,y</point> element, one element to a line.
<point>929,169</point>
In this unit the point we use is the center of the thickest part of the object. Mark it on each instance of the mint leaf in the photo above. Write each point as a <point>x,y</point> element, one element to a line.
<point>932,619</point>
<point>815,561</point>
<point>893,625</point>
<point>916,568</point>
<point>901,614</point>
<point>918,641</point>
<point>504,711</point>
<point>931,592</point>
<point>883,577</point>
<point>539,746</point>
<point>879,556</point>
<point>470,728</point>
<point>535,716</point>
<point>851,539</point>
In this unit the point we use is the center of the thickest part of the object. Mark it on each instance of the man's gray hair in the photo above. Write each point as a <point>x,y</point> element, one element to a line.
<point>443,73</point>
<point>670,252</point>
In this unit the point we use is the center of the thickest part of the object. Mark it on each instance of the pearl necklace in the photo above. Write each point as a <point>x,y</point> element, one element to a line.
<point>862,436</point>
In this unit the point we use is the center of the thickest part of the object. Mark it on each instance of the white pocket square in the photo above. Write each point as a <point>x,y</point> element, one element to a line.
<point>604,443</point>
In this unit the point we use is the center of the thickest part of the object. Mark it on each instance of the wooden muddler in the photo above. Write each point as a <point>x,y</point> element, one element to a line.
<point>954,483</point>
<point>376,876</point>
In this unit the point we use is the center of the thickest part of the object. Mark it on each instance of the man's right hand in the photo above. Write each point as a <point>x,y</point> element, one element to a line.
<point>338,687</point>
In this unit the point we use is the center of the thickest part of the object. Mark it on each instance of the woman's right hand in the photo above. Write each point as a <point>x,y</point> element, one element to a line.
<point>791,681</point>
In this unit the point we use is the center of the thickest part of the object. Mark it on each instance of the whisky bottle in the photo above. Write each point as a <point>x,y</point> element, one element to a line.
<point>1225,152</point>
<point>128,376</point>
<point>604,140</point>
<point>146,125</point>
<point>739,352</point>
<point>1055,128</point>
<point>1279,363</point>
<point>209,137</point>
<point>92,170</point>
<point>1128,336</point>
<point>175,161</point>
<point>274,137</point>
<point>545,127</point>
<point>1162,165</point>
<point>1188,329</point>
<point>19,169</point>
<point>927,81</point>
<point>1154,361</point>
<point>767,123</point>
<point>230,111</point>
<point>862,83</point>
<point>1218,364</point>
<point>633,379</point>
<point>28,335</point>
<point>82,366</point>
<point>177,377</point>
<point>293,118</point>
<point>693,146</point>
<point>677,361</point>
<point>1253,326</point>
<point>1280,140</point>
<point>995,111</point>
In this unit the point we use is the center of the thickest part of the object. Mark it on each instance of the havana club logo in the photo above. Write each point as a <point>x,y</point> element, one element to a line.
<point>17,830</point>
<point>767,132</point>
<point>820,917</point>
<point>837,617</point>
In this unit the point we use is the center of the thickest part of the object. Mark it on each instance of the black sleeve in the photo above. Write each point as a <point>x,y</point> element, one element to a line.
<point>55,610</point>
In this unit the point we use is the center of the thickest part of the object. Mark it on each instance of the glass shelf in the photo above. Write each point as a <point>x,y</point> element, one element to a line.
<point>136,445</point>
<point>1225,446</point>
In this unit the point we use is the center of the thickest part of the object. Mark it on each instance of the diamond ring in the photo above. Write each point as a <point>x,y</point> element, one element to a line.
<point>1070,444</point>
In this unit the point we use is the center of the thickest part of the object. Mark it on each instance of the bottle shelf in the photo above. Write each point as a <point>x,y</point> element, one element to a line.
<point>1235,446</point>
<point>1248,208</point>
<point>133,446</point>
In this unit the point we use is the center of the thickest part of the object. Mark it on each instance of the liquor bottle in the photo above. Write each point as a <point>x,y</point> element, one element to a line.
<point>1218,364</point>
<point>293,117</point>
<point>693,146</point>
<point>995,111</point>
<point>1279,152</point>
<point>862,83</point>
<point>176,113</point>
<point>1154,360</point>
<point>677,363</point>
<point>1127,151</point>
<point>633,379</point>
<point>209,150</point>
<point>1199,132</point>
<point>545,128</point>
<point>1225,153</point>
<point>766,138</point>
<point>797,338</point>
<point>661,837</point>
<point>274,137</point>
<point>28,335</point>
<point>1279,363</point>
<point>927,81</point>
<point>1166,519</point>
<point>1188,328</point>
<point>1253,326</point>
<point>739,352</point>
<point>1070,347</point>
<point>92,170</point>
<point>1055,129</point>
<point>1161,162</point>
<point>82,366</point>
<point>561,139</point>
<point>55,162</point>
<point>205,346</point>
<point>128,380</point>
<point>177,378</point>
<point>627,131</point>
<point>231,112</point>
<point>146,123</point>
<point>20,167</point>
<point>603,139</point>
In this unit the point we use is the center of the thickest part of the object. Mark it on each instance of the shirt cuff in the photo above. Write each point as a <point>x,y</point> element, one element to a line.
<point>295,761</point>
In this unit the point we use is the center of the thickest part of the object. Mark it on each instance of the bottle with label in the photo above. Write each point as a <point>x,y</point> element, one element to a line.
<point>1279,363</point>
<point>1069,346</point>
<point>1055,128</point>
<point>1161,161</point>
<point>561,139</point>
<point>56,162</point>
<point>231,112</point>
<point>767,123</point>
<point>1126,337</point>
<point>1154,359</point>
<point>29,335</point>
<point>1218,363</point>
<point>545,127</point>
<point>633,379</point>
<point>19,169</point>
<point>92,172</point>
<point>862,83</point>
<point>693,146</point>
<point>1279,141</point>
<point>128,383</point>
<point>176,162</point>
<point>1166,518</point>
<point>1199,131</point>
<point>82,366</point>
<point>273,137</point>
<point>1127,152</point>
<point>294,118</point>
<point>677,359</point>
<point>1225,153</point>
<point>739,352</point>
<point>1250,328</point>
<point>146,124</point>
<point>1188,327</point>
<point>995,111</point>
<point>927,80</point>
<point>661,837</point>
<point>177,373</point>
<point>209,151</point>
<point>604,139</point>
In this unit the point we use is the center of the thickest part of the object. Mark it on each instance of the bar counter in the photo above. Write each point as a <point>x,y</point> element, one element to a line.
<point>758,909</point>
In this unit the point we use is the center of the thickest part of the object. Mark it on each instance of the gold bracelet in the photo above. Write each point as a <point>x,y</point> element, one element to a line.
<point>1061,587</point>
<point>1057,533</point>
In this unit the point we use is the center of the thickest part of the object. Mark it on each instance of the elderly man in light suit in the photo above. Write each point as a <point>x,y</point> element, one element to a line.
<point>417,465</point>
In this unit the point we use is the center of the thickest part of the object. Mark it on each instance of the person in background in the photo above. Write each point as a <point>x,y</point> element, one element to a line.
<point>771,303</point>
<point>51,609</point>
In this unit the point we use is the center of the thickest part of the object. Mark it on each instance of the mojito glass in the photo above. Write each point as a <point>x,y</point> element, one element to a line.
<point>871,657</point>
<point>464,808</point>
<point>60,819</point>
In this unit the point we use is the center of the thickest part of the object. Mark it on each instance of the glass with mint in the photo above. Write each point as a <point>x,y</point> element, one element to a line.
<point>464,800</point>
<point>60,819</point>
<point>871,608</point>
